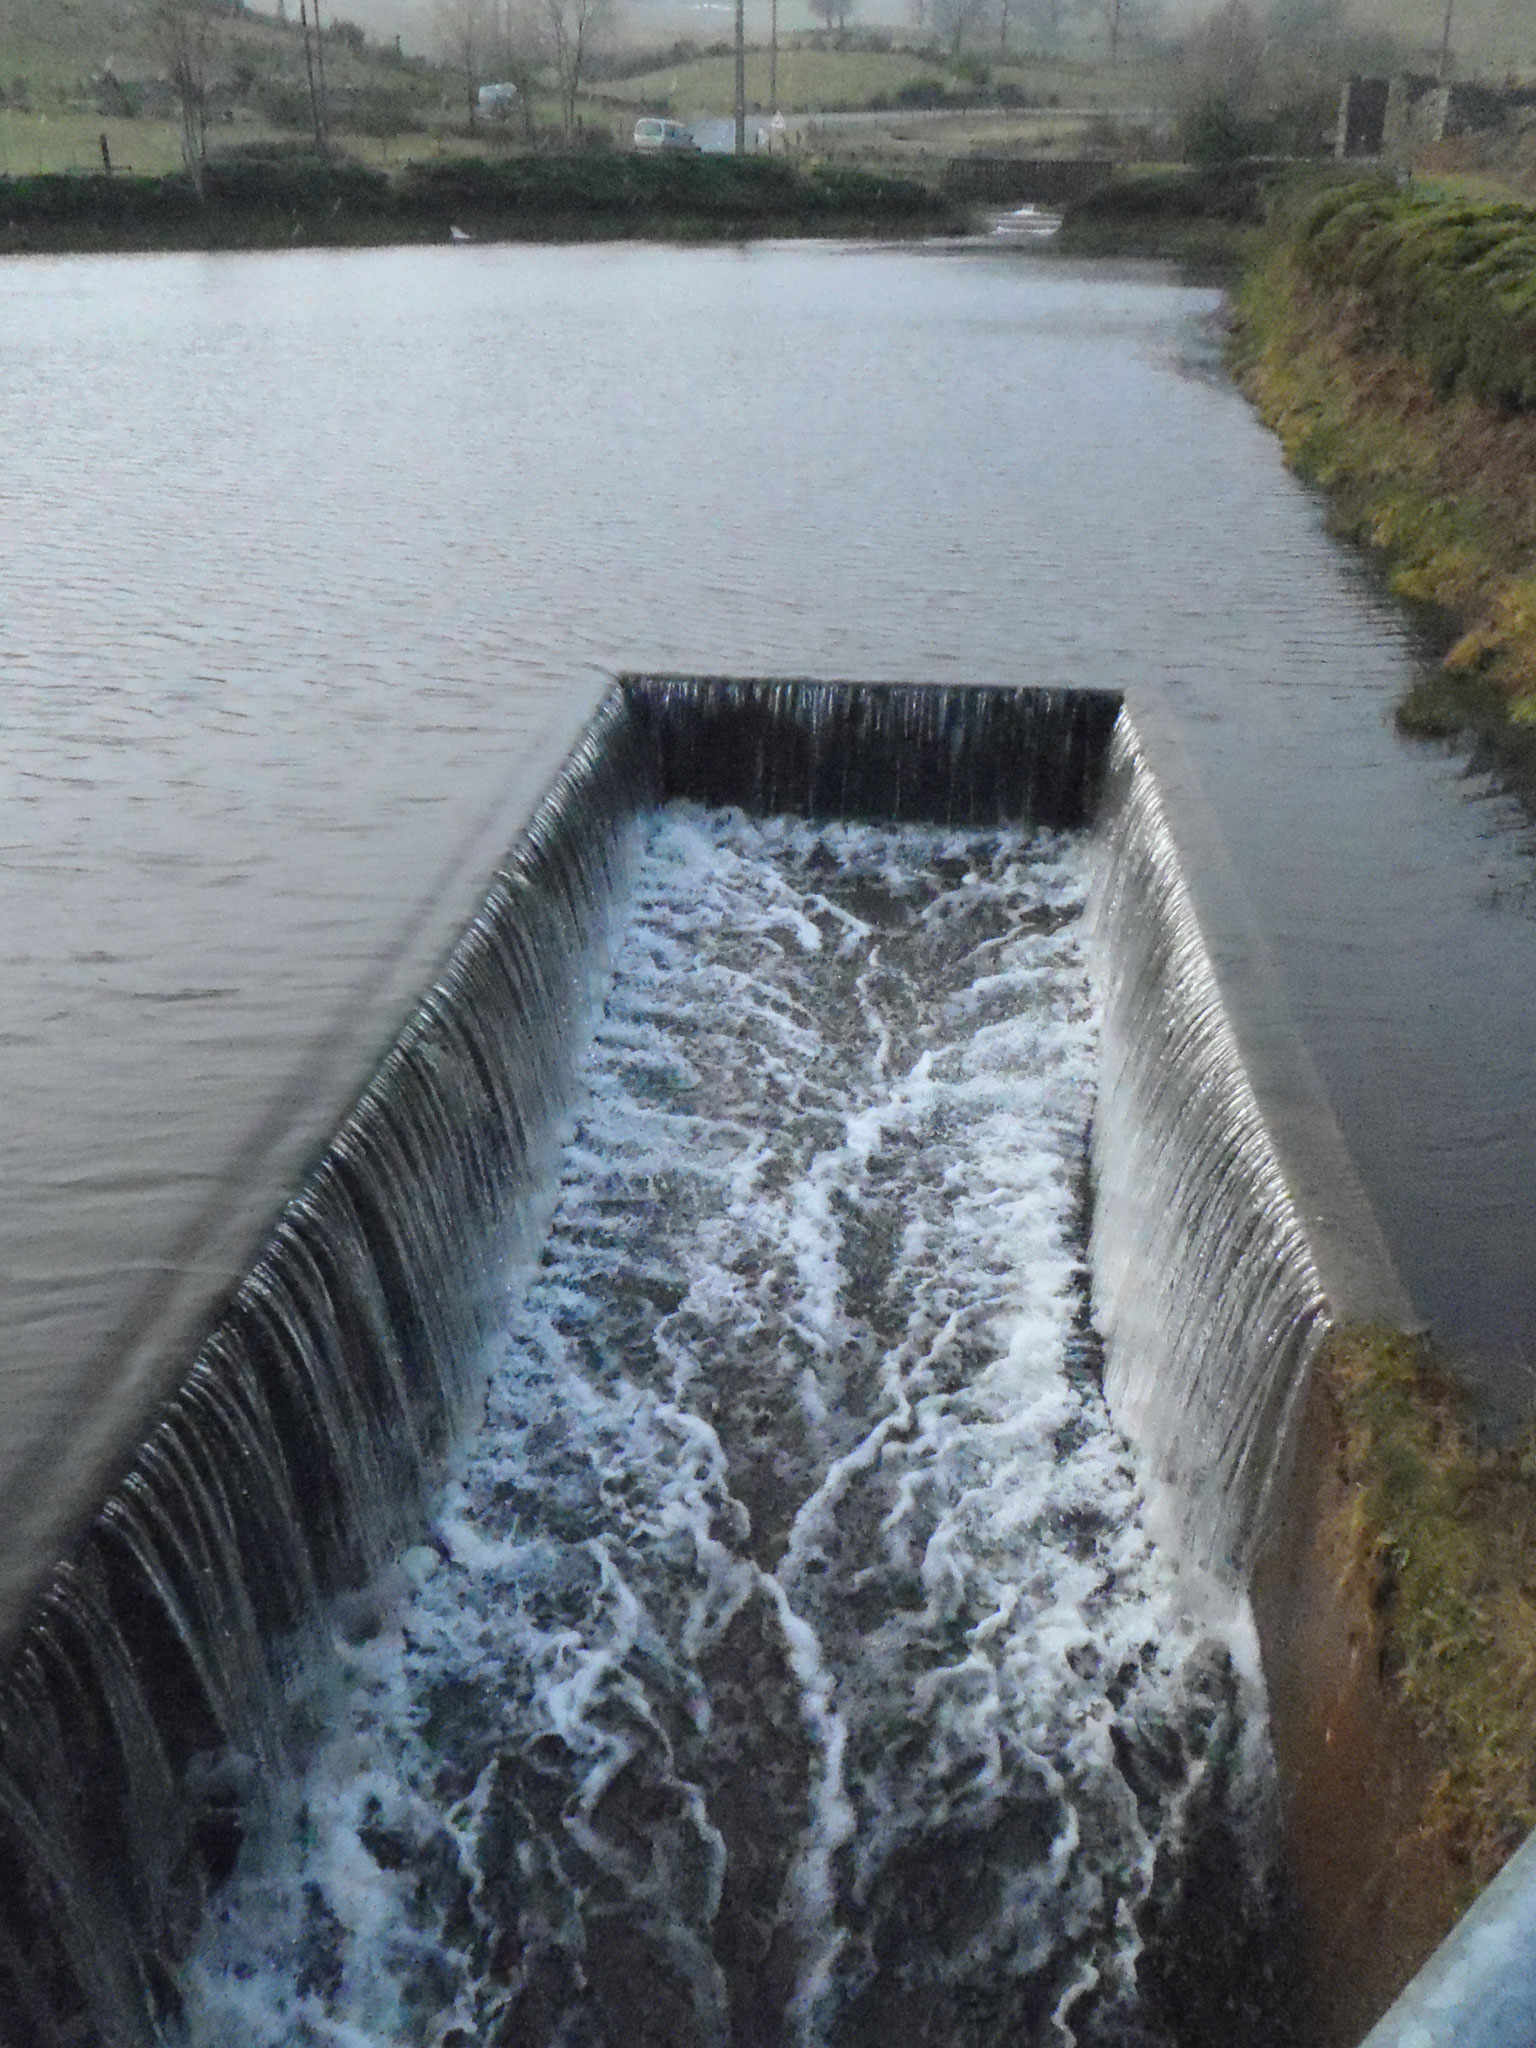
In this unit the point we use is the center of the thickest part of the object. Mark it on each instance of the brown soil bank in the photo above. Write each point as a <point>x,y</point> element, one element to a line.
<point>1397,1611</point>
<point>1390,340</point>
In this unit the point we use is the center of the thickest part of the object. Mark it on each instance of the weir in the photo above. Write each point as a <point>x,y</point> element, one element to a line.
<point>143,1704</point>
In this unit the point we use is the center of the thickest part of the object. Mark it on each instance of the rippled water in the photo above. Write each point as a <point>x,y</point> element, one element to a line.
<point>310,563</point>
<point>788,1664</point>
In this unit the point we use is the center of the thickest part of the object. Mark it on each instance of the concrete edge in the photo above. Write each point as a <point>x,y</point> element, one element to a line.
<point>1358,1273</point>
<point>152,1352</point>
<point>1478,1989</point>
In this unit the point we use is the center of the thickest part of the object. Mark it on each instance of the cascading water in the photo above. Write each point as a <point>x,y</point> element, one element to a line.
<point>789,1645</point>
<point>1204,1285</point>
<point>788,1664</point>
<point>142,1701</point>
<point>945,754</point>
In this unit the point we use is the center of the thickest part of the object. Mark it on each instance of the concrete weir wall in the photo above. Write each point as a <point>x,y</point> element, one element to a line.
<point>1373,1891</point>
<point>1230,1230</point>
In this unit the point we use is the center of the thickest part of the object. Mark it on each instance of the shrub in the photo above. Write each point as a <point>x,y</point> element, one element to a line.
<point>65,199</point>
<point>920,92</point>
<point>378,110</point>
<point>1452,283</point>
<point>743,191</point>
<point>1212,134</point>
<point>1234,193</point>
<point>283,104</point>
<point>295,182</point>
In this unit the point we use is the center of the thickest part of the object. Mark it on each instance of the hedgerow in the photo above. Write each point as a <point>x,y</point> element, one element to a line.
<point>1451,283</point>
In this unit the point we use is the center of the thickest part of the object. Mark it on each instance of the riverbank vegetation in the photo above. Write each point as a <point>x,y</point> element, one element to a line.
<point>1444,1530</point>
<point>1389,337</point>
<point>286,197</point>
<point>1200,214</point>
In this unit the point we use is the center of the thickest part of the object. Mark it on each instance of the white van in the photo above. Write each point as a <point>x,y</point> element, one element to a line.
<point>651,133</point>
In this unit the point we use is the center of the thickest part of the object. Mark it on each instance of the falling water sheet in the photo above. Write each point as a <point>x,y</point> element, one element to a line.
<point>788,1663</point>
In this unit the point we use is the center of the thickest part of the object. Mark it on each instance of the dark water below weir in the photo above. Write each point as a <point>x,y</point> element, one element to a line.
<point>788,1663</point>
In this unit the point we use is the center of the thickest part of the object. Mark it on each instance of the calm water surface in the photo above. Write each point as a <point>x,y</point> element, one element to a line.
<point>309,564</point>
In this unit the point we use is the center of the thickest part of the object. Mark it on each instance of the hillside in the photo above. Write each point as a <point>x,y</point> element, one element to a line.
<point>816,80</point>
<point>58,50</point>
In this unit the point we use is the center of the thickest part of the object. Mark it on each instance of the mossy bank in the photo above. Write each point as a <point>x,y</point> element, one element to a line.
<point>1389,337</point>
<point>1397,1617</point>
<point>286,198</point>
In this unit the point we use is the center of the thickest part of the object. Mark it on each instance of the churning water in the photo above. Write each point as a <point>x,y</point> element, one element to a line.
<point>788,1662</point>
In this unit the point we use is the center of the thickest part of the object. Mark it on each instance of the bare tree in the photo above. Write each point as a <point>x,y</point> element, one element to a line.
<point>835,14</point>
<point>957,22</point>
<point>463,31</point>
<point>1224,59</point>
<point>518,52</point>
<point>573,28</point>
<point>184,36</point>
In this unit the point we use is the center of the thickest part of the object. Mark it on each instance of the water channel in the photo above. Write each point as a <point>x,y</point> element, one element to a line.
<point>788,1662</point>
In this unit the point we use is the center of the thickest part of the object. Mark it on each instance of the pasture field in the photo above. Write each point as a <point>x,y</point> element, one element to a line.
<point>59,48</point>
<point>813,80</point>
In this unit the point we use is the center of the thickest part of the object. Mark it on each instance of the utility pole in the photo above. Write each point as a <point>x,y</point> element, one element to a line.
<point>741,77</point>
<point>309,67</point>
<point>325,98</point>
<point>773,57</point>
<point>1445,42</point>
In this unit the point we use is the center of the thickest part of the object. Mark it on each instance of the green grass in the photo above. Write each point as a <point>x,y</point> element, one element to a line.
<point>60,47</point>
<point>1188,216</point>
<point>34,144</point>
<point>1450,282</point>
<point>1383,339</point>
<point>819,80</point>
<point>41,143</point>
<point>1448,1531</point>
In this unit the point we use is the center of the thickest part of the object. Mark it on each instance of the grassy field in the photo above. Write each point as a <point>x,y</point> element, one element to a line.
<point>59,48</point>
<point>816,80</point>
<point>31,144</point>
<point>909,144</point>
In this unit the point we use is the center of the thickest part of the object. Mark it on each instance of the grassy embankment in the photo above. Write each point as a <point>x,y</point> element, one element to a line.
<point>1389,337</point>
<point>277,202</point>
<point>1186,216</point>
<point>1443,1530</point>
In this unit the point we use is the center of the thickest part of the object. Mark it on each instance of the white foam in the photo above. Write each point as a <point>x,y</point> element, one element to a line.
<point>781,1439</point>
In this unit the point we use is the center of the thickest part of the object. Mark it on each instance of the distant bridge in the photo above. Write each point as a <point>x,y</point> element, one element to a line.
<point>1046,180</point>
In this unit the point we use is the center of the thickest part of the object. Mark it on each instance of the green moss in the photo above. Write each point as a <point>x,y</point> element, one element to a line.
<point>1448,1529</point>
<point>1431,473</point>
<point>1451,282</point>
